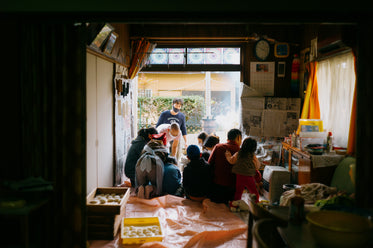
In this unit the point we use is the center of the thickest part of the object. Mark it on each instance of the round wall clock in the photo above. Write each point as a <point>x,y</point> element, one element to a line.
<point>262,49</point>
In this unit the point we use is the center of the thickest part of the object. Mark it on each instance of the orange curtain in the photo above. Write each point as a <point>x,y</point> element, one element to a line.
<point>140,49</point>
<point>352,132</point>
<point>311,107</point>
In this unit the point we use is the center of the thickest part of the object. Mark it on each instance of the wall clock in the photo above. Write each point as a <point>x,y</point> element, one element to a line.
<point>262,49</point>
<point>281,50</point>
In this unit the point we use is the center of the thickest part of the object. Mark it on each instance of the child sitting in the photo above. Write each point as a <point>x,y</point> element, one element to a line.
<point>171,177</point>
<point>246,167</point>
<point>197,175</point>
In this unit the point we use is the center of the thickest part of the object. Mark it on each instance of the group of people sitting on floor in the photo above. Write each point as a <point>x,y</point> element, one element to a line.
<point>218,171</point>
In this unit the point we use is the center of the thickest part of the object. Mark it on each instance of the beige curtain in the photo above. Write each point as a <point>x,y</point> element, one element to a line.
<point>336,81</point>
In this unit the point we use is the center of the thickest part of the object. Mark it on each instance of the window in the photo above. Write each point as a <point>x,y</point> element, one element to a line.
<point>336,85</point>
<point>145,93</point>
<point>195,56</point>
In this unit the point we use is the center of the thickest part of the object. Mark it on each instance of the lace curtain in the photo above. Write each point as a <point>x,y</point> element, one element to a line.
<point>336,84</point>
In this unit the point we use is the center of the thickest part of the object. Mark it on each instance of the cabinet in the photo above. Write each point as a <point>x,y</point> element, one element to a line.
<point>305,171</point>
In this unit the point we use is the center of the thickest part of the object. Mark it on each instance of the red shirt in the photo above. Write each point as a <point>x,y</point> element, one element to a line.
<point>222,168</point>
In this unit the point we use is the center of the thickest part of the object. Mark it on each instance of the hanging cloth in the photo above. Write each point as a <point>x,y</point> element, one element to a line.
<point>141,48</point>
<point>294,84</point>
<point>352,132</point>
<point>311,107</point>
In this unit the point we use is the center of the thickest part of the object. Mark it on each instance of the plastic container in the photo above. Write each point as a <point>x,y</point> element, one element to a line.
<point>141,230</point>
<point>311,125</point>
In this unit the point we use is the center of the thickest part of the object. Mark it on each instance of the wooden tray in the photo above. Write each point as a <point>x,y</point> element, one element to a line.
<point>107,208</point>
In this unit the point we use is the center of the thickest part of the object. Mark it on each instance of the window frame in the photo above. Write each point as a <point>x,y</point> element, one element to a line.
<point>196,67</point>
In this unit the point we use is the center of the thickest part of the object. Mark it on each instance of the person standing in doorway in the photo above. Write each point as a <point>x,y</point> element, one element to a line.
<point>174,115</point>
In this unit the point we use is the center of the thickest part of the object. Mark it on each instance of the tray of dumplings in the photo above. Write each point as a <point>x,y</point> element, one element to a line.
<point>141,230</point>
<point>108,200</point>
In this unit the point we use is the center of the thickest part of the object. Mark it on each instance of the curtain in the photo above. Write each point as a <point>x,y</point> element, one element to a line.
<point>336,82</point>
<point>352,133</point>
<point>311,108</point>
<point>141,49</point>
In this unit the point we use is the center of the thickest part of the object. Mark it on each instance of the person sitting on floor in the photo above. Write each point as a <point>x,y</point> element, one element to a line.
<point>201,138</point>
<point>149,169</point>
<point>144,135</point>
<point>197,175</point>
<point>171,177</point>
<point>209,144</point>
<point>246,167</point>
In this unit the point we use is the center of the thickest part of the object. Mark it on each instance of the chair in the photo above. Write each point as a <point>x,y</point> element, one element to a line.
<point>266,235</point>
<point>256,213</point>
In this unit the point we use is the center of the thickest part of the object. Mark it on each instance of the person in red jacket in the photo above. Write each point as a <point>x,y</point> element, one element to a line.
<point>224,181</point>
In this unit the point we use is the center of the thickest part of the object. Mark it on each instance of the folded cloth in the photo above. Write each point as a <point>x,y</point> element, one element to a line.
<point>311,192</point>
<point>30,184</point>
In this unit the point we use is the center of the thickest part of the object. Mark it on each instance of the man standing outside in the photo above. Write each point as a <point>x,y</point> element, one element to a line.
<point>174,115</point>
<point>224,181</point>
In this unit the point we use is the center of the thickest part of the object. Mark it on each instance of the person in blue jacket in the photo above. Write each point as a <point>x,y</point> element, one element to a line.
<point>144,135</point>
<point>174,115</point>
<point>171,177</point>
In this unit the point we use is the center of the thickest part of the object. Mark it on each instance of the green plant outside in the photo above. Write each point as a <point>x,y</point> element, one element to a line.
<point>150,108</point>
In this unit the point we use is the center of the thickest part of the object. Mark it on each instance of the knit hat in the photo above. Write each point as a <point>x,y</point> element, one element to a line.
<point>193,152</point>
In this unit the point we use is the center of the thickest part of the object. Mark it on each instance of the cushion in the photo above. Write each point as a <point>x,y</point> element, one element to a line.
<point>341,177</point>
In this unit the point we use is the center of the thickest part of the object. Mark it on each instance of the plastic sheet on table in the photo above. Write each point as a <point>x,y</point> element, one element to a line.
<point>186,223</point>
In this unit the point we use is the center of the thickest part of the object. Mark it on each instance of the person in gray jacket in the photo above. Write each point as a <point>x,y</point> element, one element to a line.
<point>144,135</point>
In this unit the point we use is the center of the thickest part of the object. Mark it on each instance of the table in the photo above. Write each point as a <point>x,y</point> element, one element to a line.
<point>22,214</point>
<point>310,168</point>
<point>294,236</point>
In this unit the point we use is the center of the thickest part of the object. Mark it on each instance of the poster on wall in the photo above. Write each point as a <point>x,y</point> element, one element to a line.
<point>252,122</point>
<point>269,116</point>
<point>262,77</point>
<point>279,123</point>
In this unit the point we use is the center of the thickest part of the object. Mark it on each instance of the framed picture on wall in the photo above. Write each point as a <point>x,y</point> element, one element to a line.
<point>110,43</point>
<point>281,69</point>
<point>102,37</point>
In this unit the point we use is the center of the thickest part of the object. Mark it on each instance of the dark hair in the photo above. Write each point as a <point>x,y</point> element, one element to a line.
<point>211,141</point>
<point>233,134</point>
<point>248,147</point>
<point>171,160</point>
<point>202,135</point>
<point>177,100</point>
<point>144,132</point>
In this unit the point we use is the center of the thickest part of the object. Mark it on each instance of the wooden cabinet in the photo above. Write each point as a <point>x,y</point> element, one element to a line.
<point>304,171</point>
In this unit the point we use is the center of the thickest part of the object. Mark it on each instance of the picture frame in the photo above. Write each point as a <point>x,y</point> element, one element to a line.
<point>281,50</point>
<point>102,37</point>
<point>281,65</point>
<point>110,43</point>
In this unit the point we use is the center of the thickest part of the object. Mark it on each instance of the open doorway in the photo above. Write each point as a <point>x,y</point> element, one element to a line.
<point>209,72</point>
<point>218,92</point>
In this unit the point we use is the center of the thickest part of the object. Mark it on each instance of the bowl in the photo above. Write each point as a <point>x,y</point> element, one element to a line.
<point>334,229</point>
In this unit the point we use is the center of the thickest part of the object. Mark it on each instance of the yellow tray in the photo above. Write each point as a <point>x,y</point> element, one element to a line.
<point>141,230</point>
